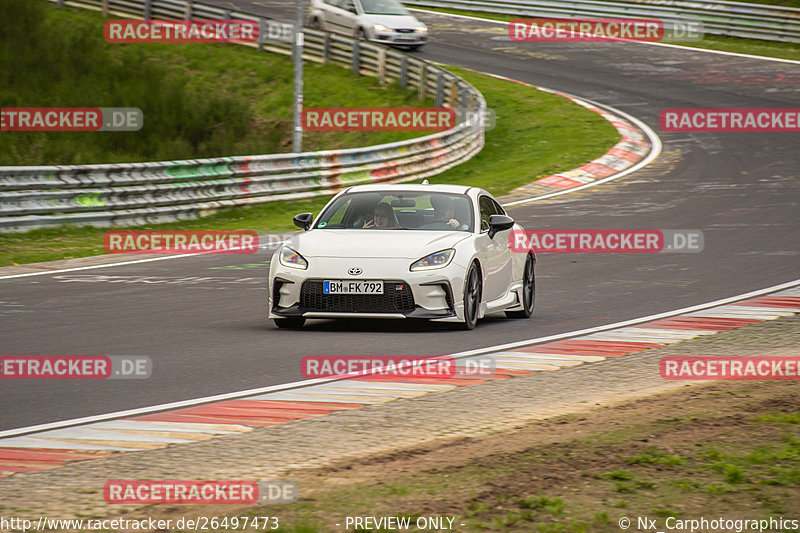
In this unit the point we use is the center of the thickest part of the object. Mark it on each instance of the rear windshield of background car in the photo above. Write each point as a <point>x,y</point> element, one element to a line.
<point>412,210</point>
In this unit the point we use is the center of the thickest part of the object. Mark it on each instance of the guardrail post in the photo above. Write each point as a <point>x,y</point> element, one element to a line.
<point>422,82</point>
<point>453,99</point>
<point>227,15</point>
<point>439,89</point>
<point>403,72</point>
<point>188,11</point>
<point>105,8</point>
<point>462,106</point>
<point>148,9</point>
<point>60,3</point>
<point>262,24</point>
<point>356,65</point>
<point>382,66</point>
<point>326,48</point>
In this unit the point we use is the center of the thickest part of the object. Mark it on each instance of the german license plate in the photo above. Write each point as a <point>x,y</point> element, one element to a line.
<point>349,286</point>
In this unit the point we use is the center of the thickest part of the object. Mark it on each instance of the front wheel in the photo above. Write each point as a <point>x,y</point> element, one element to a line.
<point>528,292</point>
<point>294,322</point>
<point>472,297</point>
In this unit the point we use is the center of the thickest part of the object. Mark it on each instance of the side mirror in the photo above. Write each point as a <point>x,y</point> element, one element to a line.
<point>303,220</point>
<point>498,223</point>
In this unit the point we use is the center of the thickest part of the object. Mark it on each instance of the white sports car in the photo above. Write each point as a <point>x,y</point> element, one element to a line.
<point>436,252</point>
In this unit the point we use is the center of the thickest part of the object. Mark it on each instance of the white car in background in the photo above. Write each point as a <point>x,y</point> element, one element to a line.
<point>436,252</point>
<point>381,21</point>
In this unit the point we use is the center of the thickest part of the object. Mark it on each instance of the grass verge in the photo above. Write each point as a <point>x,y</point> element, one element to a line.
<point>709,42</point>
<point>198,100</point>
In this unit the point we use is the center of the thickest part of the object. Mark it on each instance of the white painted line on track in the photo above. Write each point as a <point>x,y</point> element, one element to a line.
<point>120,263</point>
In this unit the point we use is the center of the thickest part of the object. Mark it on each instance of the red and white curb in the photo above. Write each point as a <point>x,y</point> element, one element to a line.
<point>638,146</point>
<point>632,148</point>
<point>53,448</point>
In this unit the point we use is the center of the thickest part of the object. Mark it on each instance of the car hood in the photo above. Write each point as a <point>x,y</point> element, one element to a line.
<point>405,244</point>
<point>393,21</point>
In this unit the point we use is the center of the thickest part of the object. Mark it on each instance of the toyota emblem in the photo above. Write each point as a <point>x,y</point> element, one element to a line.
<point>355,271</point>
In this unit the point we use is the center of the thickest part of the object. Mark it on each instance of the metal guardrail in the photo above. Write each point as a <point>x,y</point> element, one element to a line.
<point>154,192</point>
<point>752,21</point>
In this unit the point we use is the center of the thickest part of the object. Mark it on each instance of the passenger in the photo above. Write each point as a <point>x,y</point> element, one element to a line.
<point>383,217</point>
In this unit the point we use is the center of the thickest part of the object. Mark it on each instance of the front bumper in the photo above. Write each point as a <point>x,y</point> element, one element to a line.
<point>400,39</point>
<point>431,295</point>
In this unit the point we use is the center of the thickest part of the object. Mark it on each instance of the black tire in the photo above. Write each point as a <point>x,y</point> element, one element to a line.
<point>528,291</point>
<point>294,322</point>
<point>316,24</point>
<point>472,297</point>
<point>360,35</point>
<point>415,47</point>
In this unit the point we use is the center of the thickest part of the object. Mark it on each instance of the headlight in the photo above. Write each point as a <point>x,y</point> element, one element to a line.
<point>380,27</point>
<point>421,29</point>
<point>434,260</point>
<point>292,259</point>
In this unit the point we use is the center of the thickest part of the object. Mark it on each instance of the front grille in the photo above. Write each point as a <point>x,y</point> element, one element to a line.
<point>396,298</point>
<point>404,30</point>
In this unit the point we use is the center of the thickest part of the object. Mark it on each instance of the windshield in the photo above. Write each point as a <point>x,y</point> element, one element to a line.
<point>383,7</point>
<point>399,210</point>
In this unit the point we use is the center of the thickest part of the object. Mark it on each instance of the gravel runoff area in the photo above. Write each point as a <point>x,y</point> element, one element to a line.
<point>286,451</point>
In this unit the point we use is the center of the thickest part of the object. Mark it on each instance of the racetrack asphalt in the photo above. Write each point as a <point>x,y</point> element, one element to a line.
<point>202,319</point>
